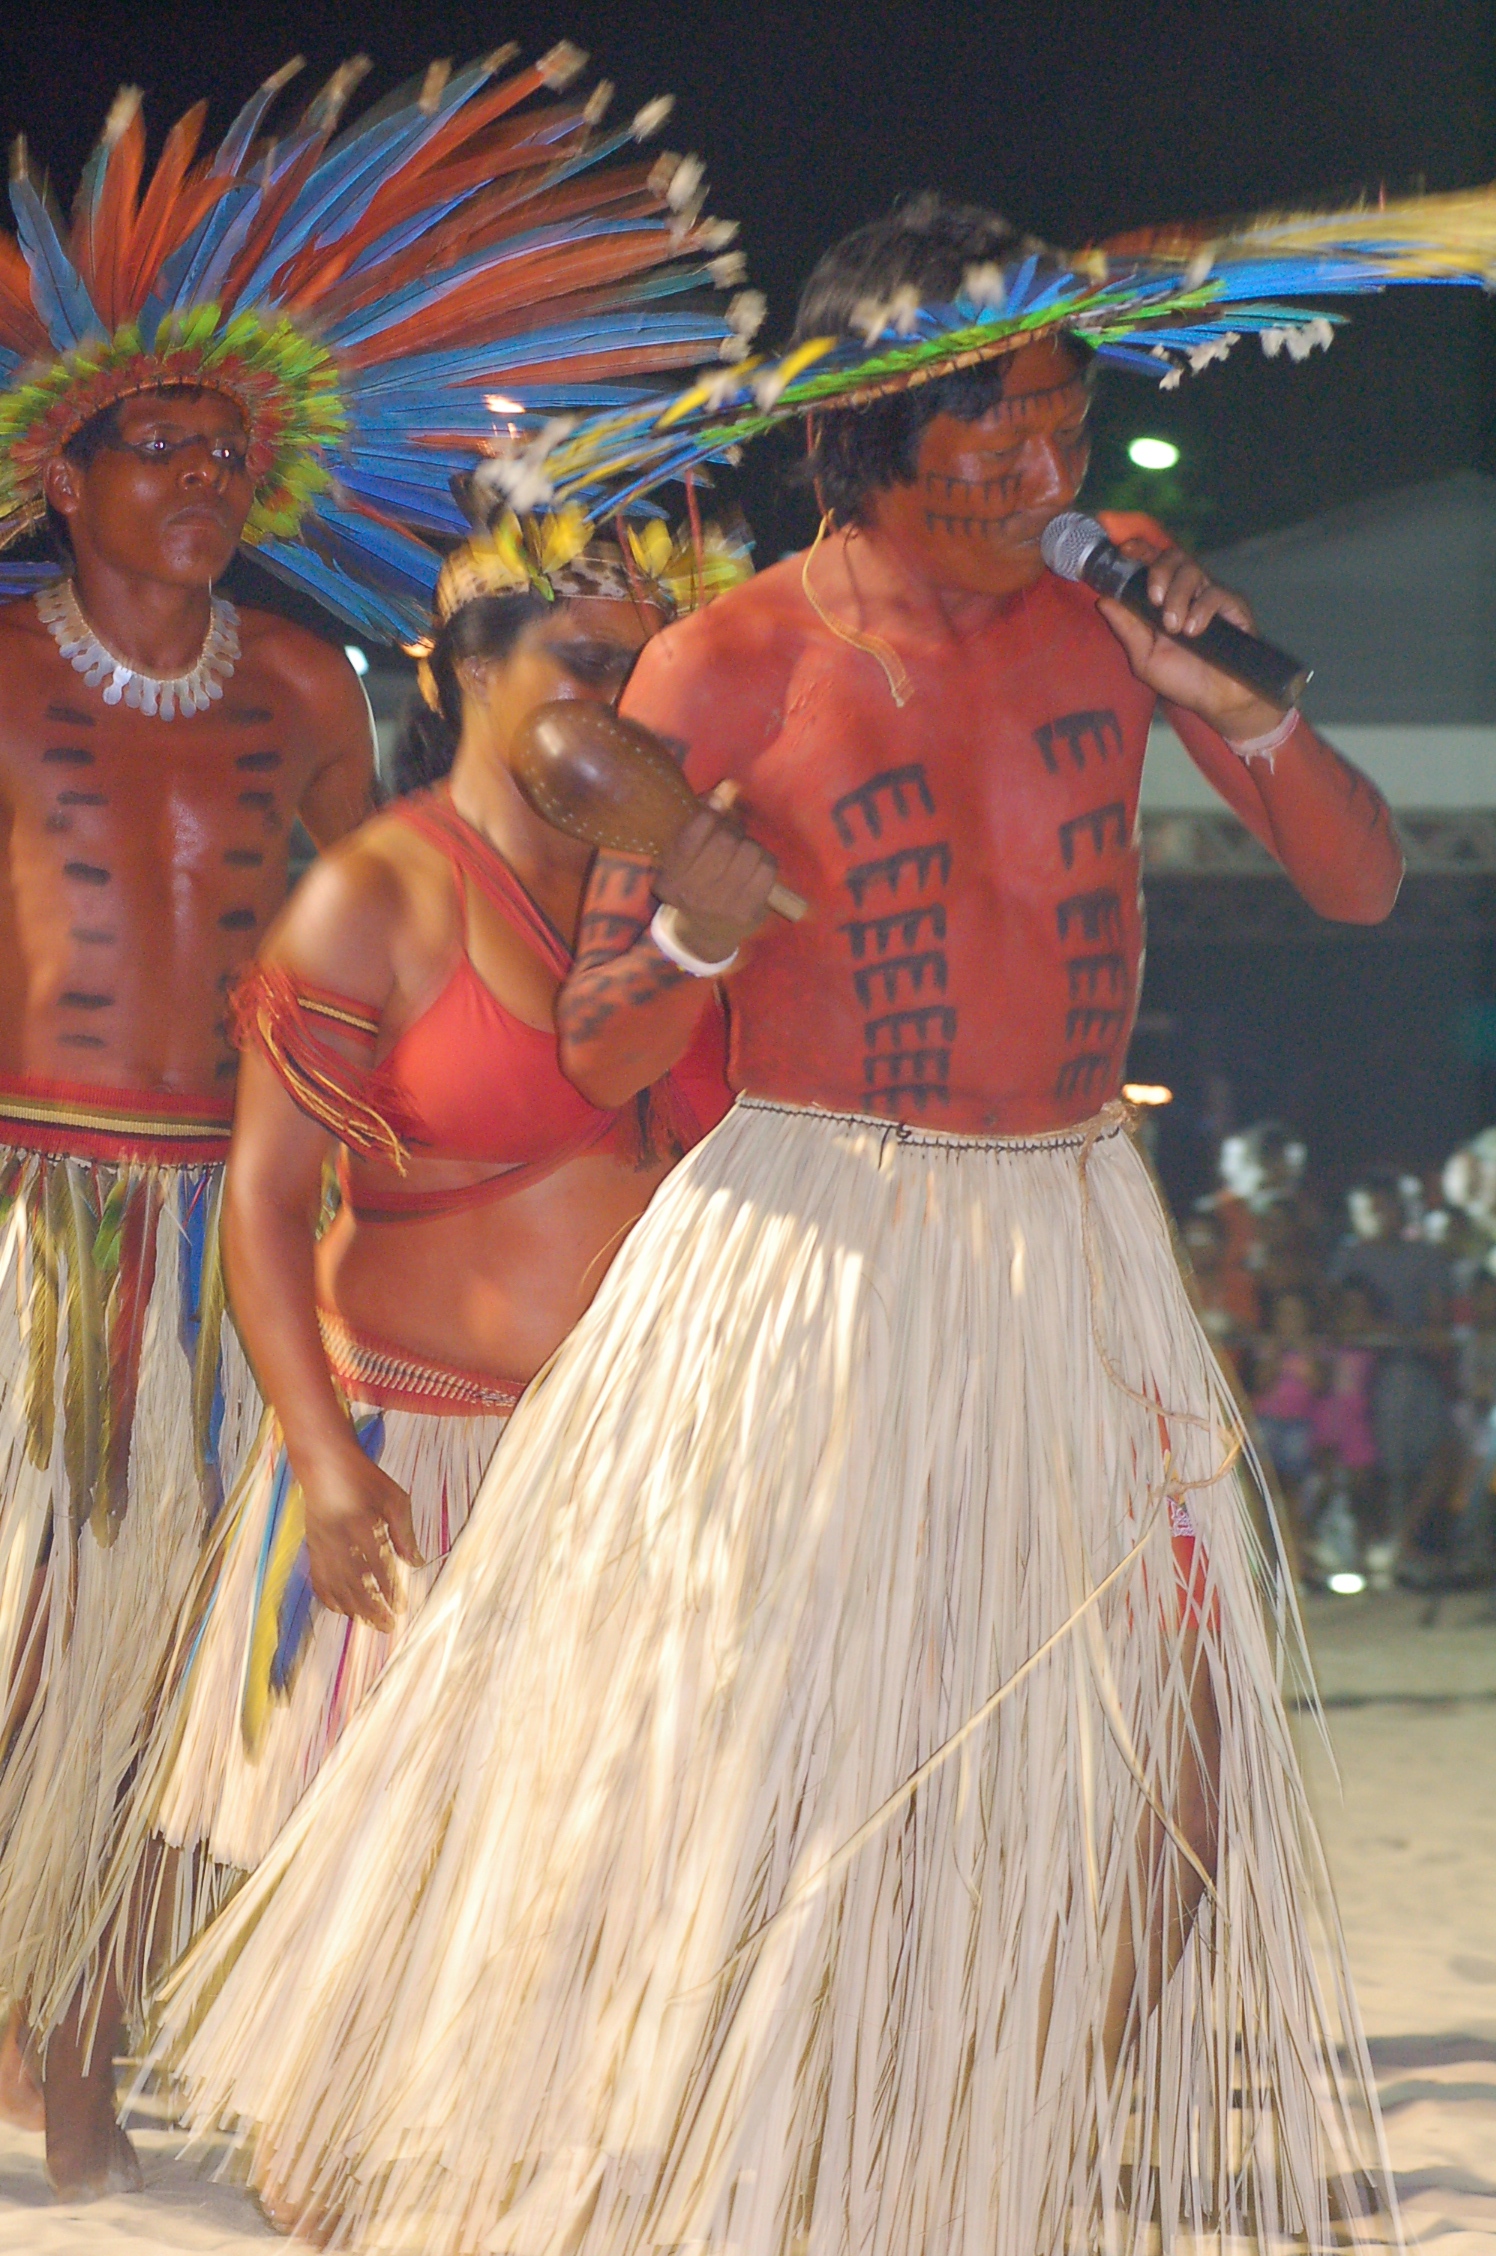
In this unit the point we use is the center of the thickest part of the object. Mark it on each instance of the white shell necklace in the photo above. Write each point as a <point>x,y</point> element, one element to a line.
<point>163,695</point>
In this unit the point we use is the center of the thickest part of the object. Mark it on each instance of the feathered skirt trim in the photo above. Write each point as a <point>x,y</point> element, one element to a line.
<point>126,1409</point>
<point>743,1847</point>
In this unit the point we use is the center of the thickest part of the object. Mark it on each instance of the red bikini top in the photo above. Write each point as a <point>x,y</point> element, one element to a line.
<point>467,1079</point>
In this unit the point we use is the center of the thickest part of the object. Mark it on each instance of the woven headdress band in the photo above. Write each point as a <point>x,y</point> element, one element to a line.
<point>561,560</point>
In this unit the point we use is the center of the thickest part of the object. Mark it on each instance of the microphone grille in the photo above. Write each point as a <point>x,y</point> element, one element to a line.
<point>1067,540</point>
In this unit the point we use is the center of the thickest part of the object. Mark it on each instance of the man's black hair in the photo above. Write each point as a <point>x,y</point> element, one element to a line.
<point>926,245</point>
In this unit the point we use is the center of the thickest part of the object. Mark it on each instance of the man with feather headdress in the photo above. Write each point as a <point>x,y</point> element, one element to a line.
<point>284,344</point>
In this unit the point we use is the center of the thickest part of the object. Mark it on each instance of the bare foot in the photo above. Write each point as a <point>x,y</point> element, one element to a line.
<point>88,2161</point>
<point>20,2091</point>
<point>88,2154</point>
<point>313,2227</point>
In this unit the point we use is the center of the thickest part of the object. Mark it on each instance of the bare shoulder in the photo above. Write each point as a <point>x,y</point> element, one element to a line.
<point>354,916</point>
<point>310,667</point>
<point>752,624</point>
<point>29,681</point>
<point>22,634</point>
<point>716,681</point>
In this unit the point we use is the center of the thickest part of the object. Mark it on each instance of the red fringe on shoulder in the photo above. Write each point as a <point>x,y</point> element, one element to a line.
<point>274,1012</point>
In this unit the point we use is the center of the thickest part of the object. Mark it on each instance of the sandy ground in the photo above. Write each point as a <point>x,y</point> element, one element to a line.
<point>1411,1833</point>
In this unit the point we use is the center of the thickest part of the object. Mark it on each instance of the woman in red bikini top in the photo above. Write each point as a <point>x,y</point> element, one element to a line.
<point>403,1009</point>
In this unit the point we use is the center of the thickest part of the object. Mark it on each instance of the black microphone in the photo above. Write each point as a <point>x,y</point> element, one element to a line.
<point>1077,548</point>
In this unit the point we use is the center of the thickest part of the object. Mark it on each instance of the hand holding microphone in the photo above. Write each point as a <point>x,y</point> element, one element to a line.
<point>1076,547</point>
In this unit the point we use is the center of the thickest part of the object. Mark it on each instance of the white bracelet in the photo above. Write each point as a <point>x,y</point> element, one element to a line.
<point>1263,747</point>
<point>662,931</point>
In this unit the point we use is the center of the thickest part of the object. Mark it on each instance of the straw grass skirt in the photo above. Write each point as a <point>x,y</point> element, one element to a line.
<point>646,1903</point>
<point>126,1407</point>
<point>248,1750</point>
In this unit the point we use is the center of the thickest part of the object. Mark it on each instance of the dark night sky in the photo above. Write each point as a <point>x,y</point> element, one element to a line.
<point>1073,119</point>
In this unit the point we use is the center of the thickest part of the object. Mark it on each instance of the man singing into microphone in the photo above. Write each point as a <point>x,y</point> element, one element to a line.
<point>863,1632</point>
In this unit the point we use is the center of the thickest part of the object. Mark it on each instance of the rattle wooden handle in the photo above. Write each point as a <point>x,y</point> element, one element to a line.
<point>722,798</point>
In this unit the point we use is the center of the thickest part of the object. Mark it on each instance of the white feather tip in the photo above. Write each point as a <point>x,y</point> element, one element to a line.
<point>985,285</point>
<point>433,86</point>
<point>647,122</point>
<point>122,112</point>
<point>745,314</point>
<point>686,184</point>
<point>561,64</point>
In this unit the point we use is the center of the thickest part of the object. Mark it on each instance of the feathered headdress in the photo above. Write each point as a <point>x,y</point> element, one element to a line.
<point>461,261</point>
<point>1158,303</point>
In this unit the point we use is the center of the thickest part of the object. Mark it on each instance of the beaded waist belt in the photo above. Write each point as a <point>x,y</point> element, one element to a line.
<point>370,1370</point>
<point>69,1119</point>
<point>1112,1120</point>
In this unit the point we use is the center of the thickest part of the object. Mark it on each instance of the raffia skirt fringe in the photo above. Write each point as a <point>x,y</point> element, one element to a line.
<point>126,1408</point>
<point>737,1853</point>
<point>247,1752</point>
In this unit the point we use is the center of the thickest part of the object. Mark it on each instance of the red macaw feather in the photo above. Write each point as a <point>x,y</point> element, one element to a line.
<point>477,307</point>
<point>104,220</point>
<point>469,118</point>
<point>517,149</point>
<point>172,206</point>
<point>479,223</point>
<point>22,329</point>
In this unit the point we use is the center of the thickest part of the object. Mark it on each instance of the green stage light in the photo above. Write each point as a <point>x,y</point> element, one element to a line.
<point>1153,454</point>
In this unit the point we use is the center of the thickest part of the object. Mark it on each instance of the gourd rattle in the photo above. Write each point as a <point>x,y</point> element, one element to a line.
<point>588,771</point>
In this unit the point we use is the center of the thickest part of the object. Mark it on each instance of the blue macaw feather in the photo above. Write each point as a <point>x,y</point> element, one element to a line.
<point>410,231</point>
<point>396,570</point>
<point>429,290</point>
<point>293,1620</point>
<point>431,508</point>
<point>217,244</point>
<point>17,580</point>
<point>1131,358</point>
<point>370,155</point>
<point>419,466</point>
<point>344,597</point>
<point>344,184</point>
<point>1020,284</point>
<point>176,283</point>
<point>238,141</point>
<point>398,239</point>
<point>496,363</point>
<point>56,286</point>
<point>393,548</point>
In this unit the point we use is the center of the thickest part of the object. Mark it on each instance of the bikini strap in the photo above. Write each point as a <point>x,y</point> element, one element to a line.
<point>432,815</point>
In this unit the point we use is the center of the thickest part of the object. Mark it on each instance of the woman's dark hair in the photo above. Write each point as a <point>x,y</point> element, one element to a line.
<point>926,245</point>
<point>488,627</point>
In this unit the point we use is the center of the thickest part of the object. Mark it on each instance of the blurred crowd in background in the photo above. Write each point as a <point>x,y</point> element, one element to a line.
<point>1361,1334</point>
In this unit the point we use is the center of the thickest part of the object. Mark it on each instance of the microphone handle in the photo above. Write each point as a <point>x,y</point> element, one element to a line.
<point>1274,674</point>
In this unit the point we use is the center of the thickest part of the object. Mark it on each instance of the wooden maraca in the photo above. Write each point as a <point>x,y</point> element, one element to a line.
<point>588,771</point>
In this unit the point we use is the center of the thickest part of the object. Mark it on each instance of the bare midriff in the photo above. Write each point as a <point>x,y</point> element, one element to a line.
<point>497,1285</point>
